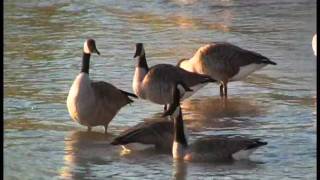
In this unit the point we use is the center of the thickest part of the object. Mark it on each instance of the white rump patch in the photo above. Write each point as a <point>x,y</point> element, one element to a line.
<point>243,154</point>
<point>244,71</point>
<point>86,48</point>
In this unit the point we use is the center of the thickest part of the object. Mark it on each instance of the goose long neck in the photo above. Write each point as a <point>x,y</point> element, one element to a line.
<point>179,134</point>
<point>140,72</point>
<point>142,63</point>
<point>85,63</point>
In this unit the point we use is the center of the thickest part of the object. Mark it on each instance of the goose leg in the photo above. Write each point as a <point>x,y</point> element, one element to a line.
<point>105,129</point>
<point>89,128</point>
<point>221,89</point>
<point>165,108</point>
<point>225,90</point>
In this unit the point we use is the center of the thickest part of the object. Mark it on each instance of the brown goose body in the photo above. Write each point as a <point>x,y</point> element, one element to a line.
<point>94,103</point>
<point>224,62</point>
<point>98,105</point>
<point>158,133</point>
<point>157,83</point>
<point>160,80</point>
<point>223,148</point>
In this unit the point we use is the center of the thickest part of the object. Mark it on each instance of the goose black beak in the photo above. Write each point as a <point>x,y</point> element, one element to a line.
<point>96,50</point>
<point>139,49</point>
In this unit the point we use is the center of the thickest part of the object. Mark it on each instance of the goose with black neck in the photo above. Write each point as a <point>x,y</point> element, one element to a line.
<point>94,103</point>
<point>209,148</point>
<point>157,83</point>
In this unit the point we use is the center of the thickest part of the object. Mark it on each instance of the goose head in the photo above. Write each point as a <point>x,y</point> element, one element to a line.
<point>139,50</point>
<point>89,47</point>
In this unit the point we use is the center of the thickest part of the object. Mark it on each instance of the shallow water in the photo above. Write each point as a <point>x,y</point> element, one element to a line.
<point>42,55</point>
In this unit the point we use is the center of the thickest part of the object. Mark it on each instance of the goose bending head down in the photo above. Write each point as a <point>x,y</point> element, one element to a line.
<point>210,148</point>
<point>157,83</point>
<point>224,62</point>
<point>94,103</point>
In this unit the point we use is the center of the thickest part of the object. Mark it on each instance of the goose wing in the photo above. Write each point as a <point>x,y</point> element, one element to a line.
<point>173,74</point>
<point>223,55</point>
<point>224,146</point>
<point>109,96</point>
<point>159,133</point>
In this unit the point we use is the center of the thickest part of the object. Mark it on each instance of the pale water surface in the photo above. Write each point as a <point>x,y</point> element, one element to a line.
<point>43,49</point>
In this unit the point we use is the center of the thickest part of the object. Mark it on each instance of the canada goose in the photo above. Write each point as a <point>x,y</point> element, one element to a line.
<point>210,148</point>
<point>314,44</point>
<point>224,62</point>
<point>94,103</point>
<point>157,82</point>
<point>158,133</point>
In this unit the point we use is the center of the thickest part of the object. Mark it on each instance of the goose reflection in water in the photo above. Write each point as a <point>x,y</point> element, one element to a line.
<point>180,168</point>
<point>82,149</point>
<point>216,113</point>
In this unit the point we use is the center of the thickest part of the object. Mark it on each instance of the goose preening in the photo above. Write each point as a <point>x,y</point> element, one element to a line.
<point>94,103</point>
<point>158,133</point>
<point>314,44</point>
<point>210,148</point>
<point>224,62</point>
<point>156,83</point>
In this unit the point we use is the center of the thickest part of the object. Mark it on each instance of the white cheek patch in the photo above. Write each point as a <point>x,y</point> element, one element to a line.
<point>86,48</point>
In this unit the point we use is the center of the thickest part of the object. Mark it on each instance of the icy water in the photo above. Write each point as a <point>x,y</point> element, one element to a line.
<point>42,54</point>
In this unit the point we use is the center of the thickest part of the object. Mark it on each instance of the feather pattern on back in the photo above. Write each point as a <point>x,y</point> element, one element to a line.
<point>159,82</point>
<point>158,133</point>
<point>223,60</point>
<point>223,147</point>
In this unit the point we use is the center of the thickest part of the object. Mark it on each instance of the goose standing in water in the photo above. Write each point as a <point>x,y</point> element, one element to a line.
<point>224,62</point>
<point>156,83</point>
<point>94,103</point>
<point>210,148</point>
